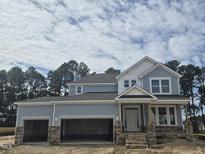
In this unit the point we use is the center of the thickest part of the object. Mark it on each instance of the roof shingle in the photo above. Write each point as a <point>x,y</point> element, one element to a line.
<point>97,78</point>
<point>85,96</point>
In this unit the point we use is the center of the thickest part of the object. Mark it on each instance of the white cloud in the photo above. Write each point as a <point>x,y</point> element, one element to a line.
<point>101,33</point>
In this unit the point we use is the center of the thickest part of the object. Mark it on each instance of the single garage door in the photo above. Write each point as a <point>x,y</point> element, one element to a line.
<point>35,131</point>
<point>86,130</point>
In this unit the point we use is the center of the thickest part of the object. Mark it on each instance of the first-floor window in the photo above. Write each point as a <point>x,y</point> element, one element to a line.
<point>164,115</point>
<point>172,116</point>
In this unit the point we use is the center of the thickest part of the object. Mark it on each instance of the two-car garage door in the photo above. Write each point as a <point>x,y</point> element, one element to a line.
<point>86,130</point>
<point>71,130</point>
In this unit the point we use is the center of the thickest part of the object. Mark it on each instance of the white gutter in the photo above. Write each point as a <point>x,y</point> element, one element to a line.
<point>66,102</point>
<point>82,84</point>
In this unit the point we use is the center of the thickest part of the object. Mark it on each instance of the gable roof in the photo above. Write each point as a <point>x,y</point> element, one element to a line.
<point>94,96</point>
<point>141,93</point>
<point>97,78</point>
<point>134,65</point>
<point>159,65</point>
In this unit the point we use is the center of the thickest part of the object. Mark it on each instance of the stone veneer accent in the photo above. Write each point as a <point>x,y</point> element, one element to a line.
<point>54,134</point>
<point>19,135</point>
<point>119,135</point>
<point>151,138</point>
<point>169,129</point>
<point>189,127</point>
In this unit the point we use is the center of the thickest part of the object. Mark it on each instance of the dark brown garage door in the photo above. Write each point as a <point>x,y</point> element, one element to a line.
<point>35,131</point>
<point>86,130</point>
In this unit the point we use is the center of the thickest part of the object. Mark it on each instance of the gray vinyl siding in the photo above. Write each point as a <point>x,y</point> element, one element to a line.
<point>159,72</point>
<point>76,110</point>
<point>95,88</point>
<point>34,111</point>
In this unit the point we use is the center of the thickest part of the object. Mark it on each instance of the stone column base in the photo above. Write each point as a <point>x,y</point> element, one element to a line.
<point>18,135</point>
<point>54,134</point>
<point>119,136</point>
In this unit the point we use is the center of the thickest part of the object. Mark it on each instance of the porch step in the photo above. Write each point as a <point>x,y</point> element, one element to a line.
<point>136,141</point>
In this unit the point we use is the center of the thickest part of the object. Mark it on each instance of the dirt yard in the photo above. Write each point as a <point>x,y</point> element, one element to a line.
<point>180,146</point>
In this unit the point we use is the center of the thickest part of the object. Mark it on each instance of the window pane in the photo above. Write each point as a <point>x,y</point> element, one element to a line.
<point>172,116</point>
<point>165,86</point>
<point>126,83</point>
<point>79,89</point>
<point>162,115</point>
<point>133,82</point>
<point>155,86</point>
<point>155,82</point>
<point>155,89</point>
<point>165,82</point>
<point>165,90</point>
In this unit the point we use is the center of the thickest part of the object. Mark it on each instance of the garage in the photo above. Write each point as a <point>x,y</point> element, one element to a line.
<point>86,130</point>
<point>35,131</point>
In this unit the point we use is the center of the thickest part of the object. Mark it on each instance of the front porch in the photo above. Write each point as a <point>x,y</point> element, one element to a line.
<point>145,116</point>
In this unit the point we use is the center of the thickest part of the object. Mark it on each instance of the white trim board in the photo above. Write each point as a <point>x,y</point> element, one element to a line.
<point>140,89</point>
<point>90,84</point>
<point>68,102</point>
<point>35,118</point>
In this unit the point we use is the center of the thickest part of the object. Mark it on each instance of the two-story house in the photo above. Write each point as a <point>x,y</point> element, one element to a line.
<point>143,99</point>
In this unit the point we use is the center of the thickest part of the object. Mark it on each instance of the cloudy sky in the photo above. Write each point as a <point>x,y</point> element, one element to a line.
<point>101,33</point>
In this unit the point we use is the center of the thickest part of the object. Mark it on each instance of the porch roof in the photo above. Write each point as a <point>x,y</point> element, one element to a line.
<point>171,97</point>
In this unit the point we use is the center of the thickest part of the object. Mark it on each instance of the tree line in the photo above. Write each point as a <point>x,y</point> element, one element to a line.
<point>192,86</point>
<point>17,85</point>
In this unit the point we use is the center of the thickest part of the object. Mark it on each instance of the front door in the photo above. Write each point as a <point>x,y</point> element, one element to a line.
<point>132,119</point>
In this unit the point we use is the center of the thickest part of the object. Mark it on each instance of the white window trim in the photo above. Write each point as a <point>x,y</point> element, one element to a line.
<point>76,89</point>
<point>160,84</point>
<point>168,114</point>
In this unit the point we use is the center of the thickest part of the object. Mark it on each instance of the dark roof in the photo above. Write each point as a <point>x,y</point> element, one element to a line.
<point>85,96</point>
<point>135,96</point>
<point>98,78</point>
<point>174,97</point>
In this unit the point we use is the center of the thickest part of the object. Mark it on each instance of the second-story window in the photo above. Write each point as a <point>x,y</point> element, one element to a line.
<point>126,83</point>
<point>155,86</point>
<point>133,82</point>
<point>165,86</point>
<point>79,89</point>
<point>160,86</point>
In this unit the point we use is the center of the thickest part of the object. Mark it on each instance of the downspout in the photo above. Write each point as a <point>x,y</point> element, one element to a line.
<point>54,110</point>
<point>17,111</point>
